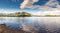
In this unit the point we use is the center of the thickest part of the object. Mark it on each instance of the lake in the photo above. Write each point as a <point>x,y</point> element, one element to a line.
<point>41,24</point>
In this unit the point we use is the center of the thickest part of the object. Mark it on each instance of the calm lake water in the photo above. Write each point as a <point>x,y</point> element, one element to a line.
<point>39,23</point>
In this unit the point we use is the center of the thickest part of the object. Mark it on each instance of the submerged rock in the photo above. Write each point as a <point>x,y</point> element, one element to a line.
<point>6,29</point>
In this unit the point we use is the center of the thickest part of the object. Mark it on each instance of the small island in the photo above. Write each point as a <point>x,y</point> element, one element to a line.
<point>16,14</point>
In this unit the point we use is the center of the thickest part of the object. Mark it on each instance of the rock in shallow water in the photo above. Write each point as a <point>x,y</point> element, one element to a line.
<point>5,29</point>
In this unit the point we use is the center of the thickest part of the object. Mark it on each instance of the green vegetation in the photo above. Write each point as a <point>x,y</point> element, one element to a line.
<point>17,14</point>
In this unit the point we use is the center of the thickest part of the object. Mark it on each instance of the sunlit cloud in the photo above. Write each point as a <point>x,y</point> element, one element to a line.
<point>51,5</point>
<point>28,3</point>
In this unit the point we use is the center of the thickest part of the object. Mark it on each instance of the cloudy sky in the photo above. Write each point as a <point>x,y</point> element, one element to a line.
<point>29,5</point>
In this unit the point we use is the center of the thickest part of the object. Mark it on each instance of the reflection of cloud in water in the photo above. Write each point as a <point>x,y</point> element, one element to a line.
<point>50,23</point>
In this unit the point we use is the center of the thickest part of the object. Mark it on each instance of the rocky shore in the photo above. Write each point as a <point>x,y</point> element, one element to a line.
<point>6,29</point>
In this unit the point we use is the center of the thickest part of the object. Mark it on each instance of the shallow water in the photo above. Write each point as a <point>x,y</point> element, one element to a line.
<point>39,23</point>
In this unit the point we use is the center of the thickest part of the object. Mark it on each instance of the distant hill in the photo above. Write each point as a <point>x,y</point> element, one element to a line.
<point>16,14</point>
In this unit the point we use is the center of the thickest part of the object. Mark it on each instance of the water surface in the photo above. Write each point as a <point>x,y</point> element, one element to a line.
<point>39,23</point>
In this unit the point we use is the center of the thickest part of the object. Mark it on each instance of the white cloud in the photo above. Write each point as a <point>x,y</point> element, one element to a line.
<point>28,3</point>
<point>47,6</point>
<point>9,11</point>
